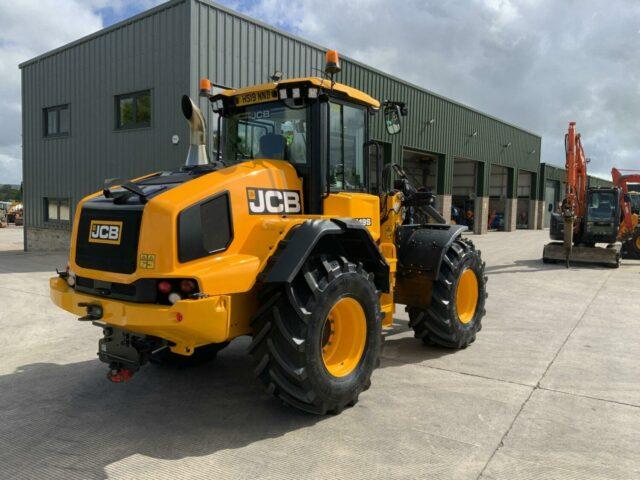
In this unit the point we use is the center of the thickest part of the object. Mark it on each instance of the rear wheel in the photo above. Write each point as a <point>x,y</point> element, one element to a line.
<point>317,341</point>
<point>457,303</point>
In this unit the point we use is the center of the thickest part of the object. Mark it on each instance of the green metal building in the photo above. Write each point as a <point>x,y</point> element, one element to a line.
<point>75,133</point>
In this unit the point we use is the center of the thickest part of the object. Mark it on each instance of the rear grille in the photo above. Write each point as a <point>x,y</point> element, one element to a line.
<point>110,256</point>
<point>141,291</point>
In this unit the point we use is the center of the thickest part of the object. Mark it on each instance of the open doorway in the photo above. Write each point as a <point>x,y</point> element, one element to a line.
<point>422,170</point>
<point>551,200</point>
<point>523,208</point>
<point>498,183</point>
<point>463,192</point>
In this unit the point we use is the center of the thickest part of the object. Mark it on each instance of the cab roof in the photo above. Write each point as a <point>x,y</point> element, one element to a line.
<point>322,83</point>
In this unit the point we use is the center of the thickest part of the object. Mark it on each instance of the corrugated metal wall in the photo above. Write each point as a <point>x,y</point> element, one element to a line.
<point>599,182</point>
<point>150,52</point>
<point>236,51</point>
<point>552,172</point>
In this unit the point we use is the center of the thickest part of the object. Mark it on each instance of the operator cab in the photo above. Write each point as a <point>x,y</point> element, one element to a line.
<point>603,215</point>
<point>602,218</point>
<point>321,127</point>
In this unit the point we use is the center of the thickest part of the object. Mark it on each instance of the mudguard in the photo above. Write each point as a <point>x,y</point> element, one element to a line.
<point>343,237</point>
<point>421,248</point>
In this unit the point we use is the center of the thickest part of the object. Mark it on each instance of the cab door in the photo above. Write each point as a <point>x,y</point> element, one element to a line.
<point>348,177</point>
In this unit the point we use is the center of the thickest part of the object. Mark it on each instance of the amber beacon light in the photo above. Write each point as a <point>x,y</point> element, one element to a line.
<point>333,62</point>
<point>205,87</point>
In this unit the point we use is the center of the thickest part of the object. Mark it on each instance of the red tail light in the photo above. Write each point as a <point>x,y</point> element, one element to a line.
<point>164,287</point>
<point>187,286</point>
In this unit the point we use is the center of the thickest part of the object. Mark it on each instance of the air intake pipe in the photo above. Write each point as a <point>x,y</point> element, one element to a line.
<point>197,146</point>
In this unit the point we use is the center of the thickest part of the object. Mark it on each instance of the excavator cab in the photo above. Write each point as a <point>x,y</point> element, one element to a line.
<point>603,216</point>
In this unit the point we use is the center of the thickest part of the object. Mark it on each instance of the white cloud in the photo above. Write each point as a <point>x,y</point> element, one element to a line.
<point>10,168</point>
<point>27,29</point>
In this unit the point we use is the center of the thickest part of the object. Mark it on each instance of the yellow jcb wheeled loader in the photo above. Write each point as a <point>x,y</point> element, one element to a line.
<point>288,235</point>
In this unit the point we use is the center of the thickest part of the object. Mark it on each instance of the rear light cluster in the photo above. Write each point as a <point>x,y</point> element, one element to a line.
<point>172,290</point>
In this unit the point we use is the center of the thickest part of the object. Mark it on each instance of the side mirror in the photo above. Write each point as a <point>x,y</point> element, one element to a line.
<point>392,120</point>
<point>550,207</point>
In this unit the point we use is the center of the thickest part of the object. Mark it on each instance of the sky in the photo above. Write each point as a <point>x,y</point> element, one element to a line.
<point>536,63</point>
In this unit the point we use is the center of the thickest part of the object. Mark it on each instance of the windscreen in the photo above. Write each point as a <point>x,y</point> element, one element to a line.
<point>601,205</point>
<point>274,130</point>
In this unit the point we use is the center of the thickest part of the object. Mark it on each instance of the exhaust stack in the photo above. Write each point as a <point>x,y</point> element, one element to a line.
<point>197,146</point>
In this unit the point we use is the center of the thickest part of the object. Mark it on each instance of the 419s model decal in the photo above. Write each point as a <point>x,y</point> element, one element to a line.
<point>266,201</point>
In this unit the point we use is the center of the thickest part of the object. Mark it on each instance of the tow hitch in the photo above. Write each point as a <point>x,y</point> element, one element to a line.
<point>125,352</point>
<point>120,376</point>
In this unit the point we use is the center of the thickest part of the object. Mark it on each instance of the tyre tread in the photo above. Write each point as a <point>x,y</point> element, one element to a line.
<point>279,347</point>
<point>435,324</point>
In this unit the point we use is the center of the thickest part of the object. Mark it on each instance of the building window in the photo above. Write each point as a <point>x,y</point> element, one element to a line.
<point>133,110</point>
<point>57,121</point>
<point>57,209</point>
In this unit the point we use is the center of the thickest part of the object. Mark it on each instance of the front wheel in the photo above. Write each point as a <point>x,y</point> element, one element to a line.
<point>455,313</point>
<point>317,341</point>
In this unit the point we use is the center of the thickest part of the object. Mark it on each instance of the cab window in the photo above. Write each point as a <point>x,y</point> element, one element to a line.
<point>346,155</point>
<point>601,205</point>
<point>276,130</point>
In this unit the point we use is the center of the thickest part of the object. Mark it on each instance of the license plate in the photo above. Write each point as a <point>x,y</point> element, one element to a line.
<point>256,97</point>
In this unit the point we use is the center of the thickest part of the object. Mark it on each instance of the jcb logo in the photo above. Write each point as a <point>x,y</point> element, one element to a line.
<point>103,231</point>
<point>273,202</point>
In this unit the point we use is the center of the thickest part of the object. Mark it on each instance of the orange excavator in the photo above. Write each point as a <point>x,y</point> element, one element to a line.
<point>588,215</point>
<point>628,233</point>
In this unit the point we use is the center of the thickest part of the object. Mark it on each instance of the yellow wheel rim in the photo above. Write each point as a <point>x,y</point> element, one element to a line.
<point>343,337</point>
<point>638,243</point>
<point>467,295</point>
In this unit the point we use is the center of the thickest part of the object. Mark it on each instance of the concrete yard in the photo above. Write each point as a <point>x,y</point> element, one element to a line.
<point>550,389</point>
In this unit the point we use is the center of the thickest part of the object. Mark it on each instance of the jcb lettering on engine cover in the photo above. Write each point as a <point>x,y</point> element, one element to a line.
<point>103,231</point>
<point>264,201</point>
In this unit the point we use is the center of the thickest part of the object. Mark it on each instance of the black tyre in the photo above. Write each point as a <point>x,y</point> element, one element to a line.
<point>631,248</point>
<point>317,341</point>
<point>458,297</point>
<point>200,356</point>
